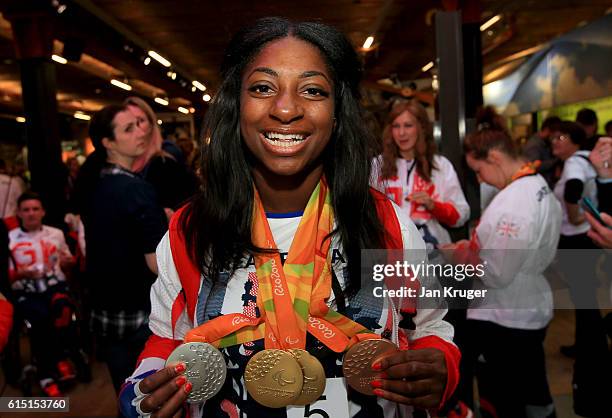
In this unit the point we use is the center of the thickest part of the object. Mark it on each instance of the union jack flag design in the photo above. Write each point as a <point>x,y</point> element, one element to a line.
<point>507,228</point>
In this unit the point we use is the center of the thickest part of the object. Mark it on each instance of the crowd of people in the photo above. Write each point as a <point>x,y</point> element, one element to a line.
<point>286,196</point>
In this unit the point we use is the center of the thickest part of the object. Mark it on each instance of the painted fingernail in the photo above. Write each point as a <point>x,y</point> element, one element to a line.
<point>377,366</point>
<point>180,381</point>
<point>376,383</point>
<point>179,368</point>
<point>378,392</point>
<point>187,387</point>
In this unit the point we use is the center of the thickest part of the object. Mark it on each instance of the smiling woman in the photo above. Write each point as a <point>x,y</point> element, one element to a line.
<point>285,183</point>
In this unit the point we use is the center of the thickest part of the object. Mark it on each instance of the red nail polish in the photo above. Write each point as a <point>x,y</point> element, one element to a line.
<point>377,366</point>
<point>187,387</point>
<point>179,368</point>
<point>180,381</point>
<point>378,392</point>
<point>376,383</point>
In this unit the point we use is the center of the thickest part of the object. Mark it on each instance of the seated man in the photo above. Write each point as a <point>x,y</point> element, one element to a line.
<point>39,256</point>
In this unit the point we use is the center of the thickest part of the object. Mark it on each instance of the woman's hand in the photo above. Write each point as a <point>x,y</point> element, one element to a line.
<point>412,377</point>
<point>166,392</point>
<point>422,198</point>
<point>601,234</point>
<point>601,157</point>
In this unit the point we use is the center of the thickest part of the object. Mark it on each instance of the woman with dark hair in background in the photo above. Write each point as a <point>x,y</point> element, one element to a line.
<point>287,149</point>
<point>173,183</point>
<point>124,223</point>
<point>424,184</point>
<point>515,240</point>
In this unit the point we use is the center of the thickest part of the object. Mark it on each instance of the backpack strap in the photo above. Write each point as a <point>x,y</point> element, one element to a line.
<point>393,241</point>
<point>188,273</point>
<point>388,218</point>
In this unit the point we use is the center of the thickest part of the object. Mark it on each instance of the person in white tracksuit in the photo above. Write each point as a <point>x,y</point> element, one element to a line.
<point>516,239</point>
<point>424,184</point>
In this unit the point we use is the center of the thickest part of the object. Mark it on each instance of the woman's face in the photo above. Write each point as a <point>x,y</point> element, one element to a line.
<point>130,139</point>
<point>287,107</point>
<point>405,130</point>
<point>487,171</point>
<point>141,117</point>
<point>562,146</point>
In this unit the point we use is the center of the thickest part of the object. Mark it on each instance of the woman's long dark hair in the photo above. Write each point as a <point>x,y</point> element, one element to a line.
<point>217,224</point>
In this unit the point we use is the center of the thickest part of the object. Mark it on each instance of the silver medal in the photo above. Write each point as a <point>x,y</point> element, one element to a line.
<point>205,369</point>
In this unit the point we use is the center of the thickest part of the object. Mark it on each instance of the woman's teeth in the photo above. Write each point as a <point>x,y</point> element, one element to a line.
<point>283,140</point>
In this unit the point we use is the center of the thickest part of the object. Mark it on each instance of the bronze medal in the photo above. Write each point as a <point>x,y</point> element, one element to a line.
<point>314,377</point>
<point>358,360</point>
<point>274,378</point>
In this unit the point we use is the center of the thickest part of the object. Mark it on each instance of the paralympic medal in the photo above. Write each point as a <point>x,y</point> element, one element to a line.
<point>358,360</point>
<point>205,369</point>
<point>314,377</point>
<point>274,378</point>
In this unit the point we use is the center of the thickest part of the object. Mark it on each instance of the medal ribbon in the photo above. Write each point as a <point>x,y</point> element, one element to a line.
<point>292,297</point>
<point>527,169</point>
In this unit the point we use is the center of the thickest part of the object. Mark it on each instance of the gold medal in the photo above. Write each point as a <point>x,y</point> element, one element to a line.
<point>358,360</point>
<point>274,378</point>
<point>314,377</point>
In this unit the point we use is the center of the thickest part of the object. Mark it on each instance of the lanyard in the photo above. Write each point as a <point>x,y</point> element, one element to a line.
<point>410,172</point>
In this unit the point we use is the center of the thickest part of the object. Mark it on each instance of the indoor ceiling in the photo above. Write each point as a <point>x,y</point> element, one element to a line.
<point>115,36</point>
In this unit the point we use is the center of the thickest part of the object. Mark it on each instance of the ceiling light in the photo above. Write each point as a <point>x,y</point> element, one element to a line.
<point>173,76</point>
<point>20,119</point>
<point>486,25</point>
<point>192,110</point>
<point>159,121</point>
<point>159,59</point>
<point>368,42</point>
<point>193,89</point>
<point>161,101</point>
<point>206,97</point>
<point>121,84</point>
<point>198,85</point>
<point>59,59</point>
<point>147,61</point>
<point>82,116</point>
<point>182,110</point>
<point>427,66</point>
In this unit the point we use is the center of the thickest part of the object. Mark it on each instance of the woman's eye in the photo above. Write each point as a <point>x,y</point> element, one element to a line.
<point>317,92</point>
<point>260,88</point>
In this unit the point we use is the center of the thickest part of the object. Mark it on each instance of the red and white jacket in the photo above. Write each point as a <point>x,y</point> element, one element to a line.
<point>175,302</point>
<point>451,208</point>
<point>37,250</point>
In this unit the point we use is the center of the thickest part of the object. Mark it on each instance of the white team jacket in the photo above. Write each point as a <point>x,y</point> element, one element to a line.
<point>518,235</point>
<point>444,188</point>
